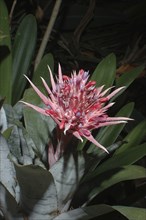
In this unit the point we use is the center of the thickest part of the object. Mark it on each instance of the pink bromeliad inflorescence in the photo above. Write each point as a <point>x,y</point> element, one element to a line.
<point>76,105</point>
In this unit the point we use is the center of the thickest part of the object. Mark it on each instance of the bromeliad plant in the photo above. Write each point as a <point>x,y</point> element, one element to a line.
<point>45,173</point>
<point>77,107</point>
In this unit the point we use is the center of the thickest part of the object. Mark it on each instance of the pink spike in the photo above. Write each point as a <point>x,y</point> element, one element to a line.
<point>119,119</point>
<point>77,135</point>
<point>115,92</point>
<point>99,89</point>
<point>40,110</point>
<point>60,73</point>
<point>92,139</point>
<point>48,90</point>
<point>108,106</point>
<point>40,94</point>
<point>102,124</point>
<point>105,91</point>
<point>52,79</point>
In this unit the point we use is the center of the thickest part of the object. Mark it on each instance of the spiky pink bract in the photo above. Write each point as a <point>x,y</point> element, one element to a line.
<point>76,105</point>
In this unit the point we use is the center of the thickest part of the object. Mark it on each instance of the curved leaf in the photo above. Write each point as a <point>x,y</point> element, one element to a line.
<point>7,172</point>
<point>104,73</point>
<point>111,133</point>
<point>67,173</point>
<point>3,120</point>
<point>127,157</point>
<point>23,49</point>
<point>90,212</point>
<point>42,70</point>
<point>6,57</point>
<point>108,135</point>
<point>134,138</point>
<point>38,192</point>
<point>132,213</point>
<point>110,178</point>
<point>85,213</point>
<point>127,78</point>
<point>8,205</point>
<point>38,126</point>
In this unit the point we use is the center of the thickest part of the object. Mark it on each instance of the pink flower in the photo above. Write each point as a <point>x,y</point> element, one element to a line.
<point>76,105</point>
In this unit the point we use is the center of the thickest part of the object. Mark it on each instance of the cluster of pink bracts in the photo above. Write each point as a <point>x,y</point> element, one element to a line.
<point>76,105</point>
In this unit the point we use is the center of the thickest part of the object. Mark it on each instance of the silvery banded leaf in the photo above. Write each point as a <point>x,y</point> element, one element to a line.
<point>3,120</point>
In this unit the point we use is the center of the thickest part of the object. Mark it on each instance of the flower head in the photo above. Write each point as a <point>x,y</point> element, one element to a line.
<point>76,105</point>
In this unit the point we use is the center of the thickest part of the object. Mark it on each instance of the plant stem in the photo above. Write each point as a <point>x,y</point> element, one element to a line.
<point>47,33</point>
<point>12,9</point>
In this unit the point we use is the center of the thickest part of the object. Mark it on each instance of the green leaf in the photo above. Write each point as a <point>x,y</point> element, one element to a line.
<point>109,134</point>
<point>14,142</point>
<point>6,61</point>
<point>42,70</point>
<point>8,205</point>
<point>7,133</point>
<point>104,73</point>
<point>23,49</point>
<point>130,156</point>
<point>90,212</point>
<point>38,192</point>
<point>67,173</point>
<point>21,145</point>
<point>85,213</point>
<point>112,177</point>
<point>38,126</point>
<point>134,138</point>
<point>127,78</point>
<point>7,172</point>
<point>24,146</point>
<point>132,213</point>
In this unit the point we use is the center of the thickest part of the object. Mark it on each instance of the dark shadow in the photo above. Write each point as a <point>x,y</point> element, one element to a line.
<point>4,52</point>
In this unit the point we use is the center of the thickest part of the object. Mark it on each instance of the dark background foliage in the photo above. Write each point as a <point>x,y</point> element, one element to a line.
<point>87,31</point>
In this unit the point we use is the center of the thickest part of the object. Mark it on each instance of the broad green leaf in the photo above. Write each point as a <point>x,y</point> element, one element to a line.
<point>112,177</point>
<point>127,78</point>
<point>26,147</point>
<point>134,138</point>
<point>109,134</point>
<point>85,213</point>
<point>104,73</point>
<point>7,172</point>
<point>9,206</point>
<point>42,70</point>
<point>21,145</point>
<point>67,172</point>
<point>38,126</point>
<point>11,114</point>
<point>6,61</point>
<point>90,212</point>
<point>132,213</point>
<point>23,49</point>
<point>130,156</point>
<point>38,192</point>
